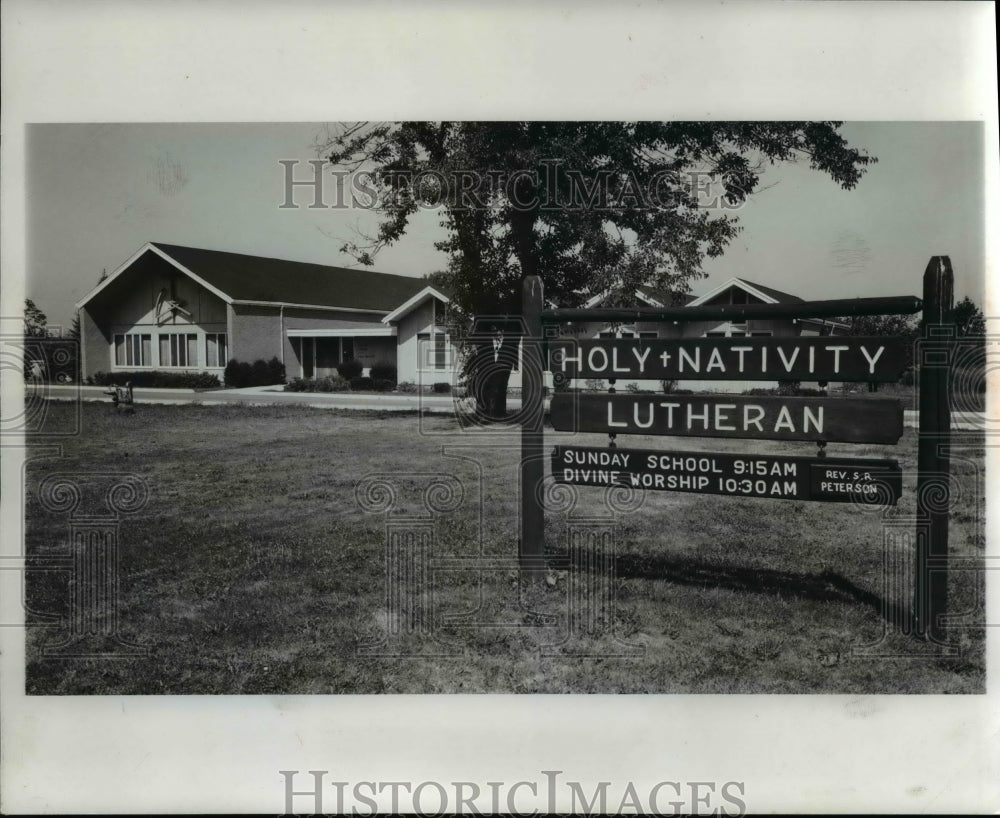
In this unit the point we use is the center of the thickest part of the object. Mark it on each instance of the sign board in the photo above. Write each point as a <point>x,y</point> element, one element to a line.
<point>825,358</point>
<point>829,479</point>
<point>844,420</point>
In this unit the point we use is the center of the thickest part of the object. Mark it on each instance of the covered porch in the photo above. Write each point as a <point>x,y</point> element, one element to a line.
<point>317,352</point>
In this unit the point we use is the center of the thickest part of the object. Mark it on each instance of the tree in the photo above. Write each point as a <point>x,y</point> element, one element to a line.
<point>970,353</point>
<point>34,321</point>
<point>969,319</point>
<point>592,207</point>
<point>906,327</point>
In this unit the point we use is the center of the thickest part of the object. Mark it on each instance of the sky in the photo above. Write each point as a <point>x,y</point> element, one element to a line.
<point>98,192</point>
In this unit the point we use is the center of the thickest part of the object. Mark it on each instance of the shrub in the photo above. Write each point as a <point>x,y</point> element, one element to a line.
<point>260,375</point>
<point>442,388</point>
<point>408,388</point>
<point>333,383</point>
<point>349,370</point>
<point>907,378</point>
<point>359,383</point>
<point>788,387</point>
<point>239,374</point>
<point>158,379</point>
<point>383,371</point>
<point>668,387</point>
<point>384,384</point>
<point>275,371</point>
<point>236,374</point>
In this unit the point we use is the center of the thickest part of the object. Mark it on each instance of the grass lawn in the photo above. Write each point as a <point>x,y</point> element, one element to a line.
<point>253,568</point>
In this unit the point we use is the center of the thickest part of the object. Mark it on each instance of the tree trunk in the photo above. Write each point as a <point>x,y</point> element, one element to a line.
<point>490,378</point>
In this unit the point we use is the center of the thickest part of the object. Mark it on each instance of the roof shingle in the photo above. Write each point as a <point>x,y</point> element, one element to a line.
<point>255,278</point>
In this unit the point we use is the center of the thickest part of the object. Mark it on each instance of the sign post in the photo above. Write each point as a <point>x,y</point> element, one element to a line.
<point>532,540</point>
<point>930,601</point>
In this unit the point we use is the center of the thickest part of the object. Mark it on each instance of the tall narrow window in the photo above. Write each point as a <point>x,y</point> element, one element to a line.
<point>440,350</point>
<point>215,349</point>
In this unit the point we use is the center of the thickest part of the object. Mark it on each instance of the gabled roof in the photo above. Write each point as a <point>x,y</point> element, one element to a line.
<point>777,295</point>
<point>240,278</point>
<point>413,303</point>
<point>766,294</point>
<point>647,295</point>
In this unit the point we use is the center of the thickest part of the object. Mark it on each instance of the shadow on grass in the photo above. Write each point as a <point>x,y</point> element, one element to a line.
<point>827,586</point>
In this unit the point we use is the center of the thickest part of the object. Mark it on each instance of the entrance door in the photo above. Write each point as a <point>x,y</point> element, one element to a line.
<point>305,351</point>
<point>327,356</point>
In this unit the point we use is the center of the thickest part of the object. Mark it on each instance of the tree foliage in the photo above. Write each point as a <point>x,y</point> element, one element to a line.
<point>591,207</point>
<point>969,319</point>
<point>35,321</point>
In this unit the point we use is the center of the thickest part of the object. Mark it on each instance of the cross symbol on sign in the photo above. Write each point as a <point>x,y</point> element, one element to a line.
<point>665,357</point>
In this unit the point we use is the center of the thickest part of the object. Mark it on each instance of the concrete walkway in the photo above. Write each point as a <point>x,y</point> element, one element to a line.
<point>390,402</point>
<point>269,396</point>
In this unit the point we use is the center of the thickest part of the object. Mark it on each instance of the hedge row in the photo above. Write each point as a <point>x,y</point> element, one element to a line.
<point>239,374</point>
<point>334,383</point>
<point>331,384</point>
<point>167,380</point>
<point>379,371</point>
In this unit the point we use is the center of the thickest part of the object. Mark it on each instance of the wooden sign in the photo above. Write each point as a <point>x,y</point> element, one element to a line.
<point>844,420</point>
<point>829,479</point>
<point>825,358</point>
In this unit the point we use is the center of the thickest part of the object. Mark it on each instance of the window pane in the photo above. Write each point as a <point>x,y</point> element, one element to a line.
<point>222,349</point>
<point>211,350</point>
<point>192,350</point>
<point>348,349</point>
<point>423,342</point>
<point>119,350</point>
<point>439,350</point>
<point>147,357</point>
